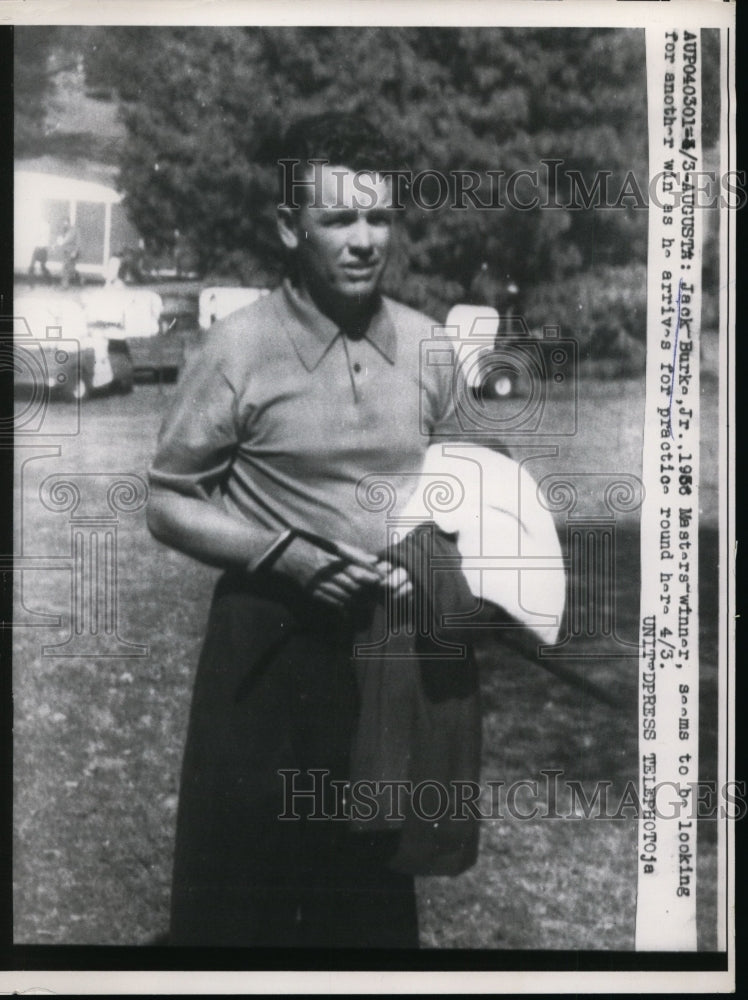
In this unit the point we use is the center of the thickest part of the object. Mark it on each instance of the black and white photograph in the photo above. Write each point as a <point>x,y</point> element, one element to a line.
<point>373,520</point>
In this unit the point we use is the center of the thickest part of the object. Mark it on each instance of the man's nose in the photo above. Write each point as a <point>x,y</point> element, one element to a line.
<point>361,236</point>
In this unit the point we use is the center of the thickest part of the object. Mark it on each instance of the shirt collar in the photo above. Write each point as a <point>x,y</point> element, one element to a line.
<point>312,332</point>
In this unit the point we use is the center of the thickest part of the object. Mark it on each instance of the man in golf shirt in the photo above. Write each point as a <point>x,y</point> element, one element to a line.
<point>293,401</point>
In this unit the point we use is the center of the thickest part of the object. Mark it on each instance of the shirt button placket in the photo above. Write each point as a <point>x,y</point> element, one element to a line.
<point>358,373</point>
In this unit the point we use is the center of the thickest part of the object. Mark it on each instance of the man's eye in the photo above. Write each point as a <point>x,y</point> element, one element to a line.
<point>380,219</point>
<point>339,219</point>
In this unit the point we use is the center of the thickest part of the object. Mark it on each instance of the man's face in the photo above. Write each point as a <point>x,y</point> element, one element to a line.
<point>341,234</point>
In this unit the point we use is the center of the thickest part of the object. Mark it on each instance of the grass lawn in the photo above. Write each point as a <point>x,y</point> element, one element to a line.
<point>98,741</point>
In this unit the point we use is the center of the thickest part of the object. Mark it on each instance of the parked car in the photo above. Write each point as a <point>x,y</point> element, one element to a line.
<point>155,326</point>
<point>166,353</point>
<point>57,354</point>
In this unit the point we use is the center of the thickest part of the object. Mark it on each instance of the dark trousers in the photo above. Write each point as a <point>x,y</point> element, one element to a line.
<point>40,257</point>
<point>275,699</point>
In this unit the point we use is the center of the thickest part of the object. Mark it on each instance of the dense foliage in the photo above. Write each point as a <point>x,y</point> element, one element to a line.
<point>32,83</point>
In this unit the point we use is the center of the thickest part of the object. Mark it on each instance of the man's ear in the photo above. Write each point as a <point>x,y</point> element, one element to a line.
<point>288,227</point>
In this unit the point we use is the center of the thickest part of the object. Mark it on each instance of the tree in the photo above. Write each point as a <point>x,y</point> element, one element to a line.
<point>47,60</point>
<point>32,83</point>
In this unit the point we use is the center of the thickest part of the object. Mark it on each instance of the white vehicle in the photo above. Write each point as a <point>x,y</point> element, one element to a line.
<point>135,312</point>
<point>56,352</point>
<point>220,300</point>
<point>476,329</point>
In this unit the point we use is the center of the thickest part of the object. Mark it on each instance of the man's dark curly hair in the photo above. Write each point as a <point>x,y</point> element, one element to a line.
<point>343,139</point>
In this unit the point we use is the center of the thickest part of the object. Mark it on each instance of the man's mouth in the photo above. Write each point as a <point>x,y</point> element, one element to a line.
<point>360,270</point>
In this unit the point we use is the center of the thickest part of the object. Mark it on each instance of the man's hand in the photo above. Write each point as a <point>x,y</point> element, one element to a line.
<point>393,579</point>
<point>338,581</point>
